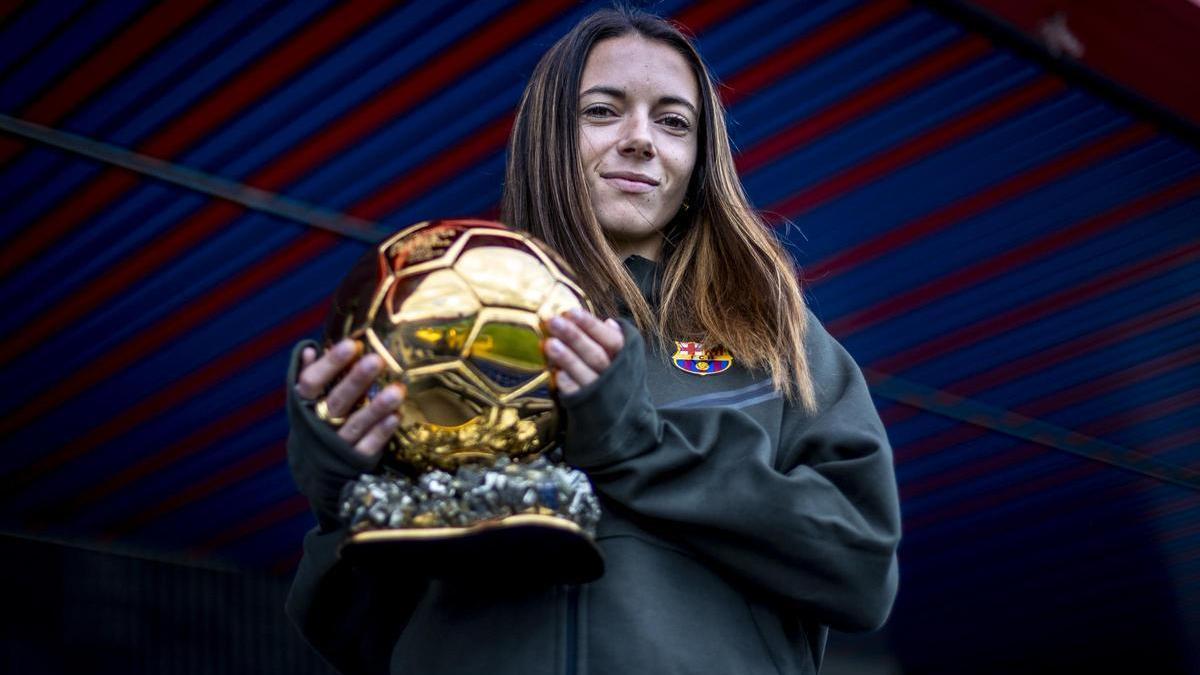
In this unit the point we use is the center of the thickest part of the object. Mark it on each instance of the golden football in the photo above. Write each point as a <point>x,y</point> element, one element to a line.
<point>456,309</point>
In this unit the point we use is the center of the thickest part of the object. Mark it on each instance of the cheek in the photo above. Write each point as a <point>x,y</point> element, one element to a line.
<point>681,164</point>
<point>592,143</point>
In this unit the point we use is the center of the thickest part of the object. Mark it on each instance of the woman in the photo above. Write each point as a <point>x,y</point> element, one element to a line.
<point>744,512</point>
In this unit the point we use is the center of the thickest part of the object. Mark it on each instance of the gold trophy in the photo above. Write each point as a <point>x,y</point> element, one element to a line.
<point>469,483</point>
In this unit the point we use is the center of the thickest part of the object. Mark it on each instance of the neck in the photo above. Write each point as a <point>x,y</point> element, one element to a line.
<point>649,248</point>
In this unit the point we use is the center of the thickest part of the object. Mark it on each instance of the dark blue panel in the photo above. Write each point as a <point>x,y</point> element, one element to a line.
<point>33,25</point>
<point>68,47</point>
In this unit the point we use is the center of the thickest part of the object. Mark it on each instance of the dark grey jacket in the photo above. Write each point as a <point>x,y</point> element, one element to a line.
<point>736,529</point>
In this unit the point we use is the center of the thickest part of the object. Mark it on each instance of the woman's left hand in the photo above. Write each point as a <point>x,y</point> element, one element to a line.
<point>581,348</point>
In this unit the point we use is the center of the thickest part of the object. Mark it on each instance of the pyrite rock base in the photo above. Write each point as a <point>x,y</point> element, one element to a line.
<point>532,520</point>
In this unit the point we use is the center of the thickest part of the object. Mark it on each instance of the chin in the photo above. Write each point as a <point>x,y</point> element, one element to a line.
<point>631,224</point>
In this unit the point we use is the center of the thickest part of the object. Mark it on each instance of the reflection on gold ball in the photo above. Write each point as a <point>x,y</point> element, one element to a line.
<point>456,310</point>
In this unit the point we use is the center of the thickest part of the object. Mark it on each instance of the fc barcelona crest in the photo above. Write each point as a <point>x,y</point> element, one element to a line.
<point>692,357</point>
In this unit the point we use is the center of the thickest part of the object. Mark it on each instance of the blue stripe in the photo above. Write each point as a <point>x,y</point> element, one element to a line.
<point>66,52</point>
<point>721,397</point>
<point>769,396</point>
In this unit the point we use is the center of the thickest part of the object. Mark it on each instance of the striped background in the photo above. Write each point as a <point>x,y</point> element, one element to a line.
<point>1010,254</point>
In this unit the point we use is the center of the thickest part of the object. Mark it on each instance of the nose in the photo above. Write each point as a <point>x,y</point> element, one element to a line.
<point>635,138</point>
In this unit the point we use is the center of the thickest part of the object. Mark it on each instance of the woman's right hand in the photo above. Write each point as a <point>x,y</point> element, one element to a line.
<point>369,427</point>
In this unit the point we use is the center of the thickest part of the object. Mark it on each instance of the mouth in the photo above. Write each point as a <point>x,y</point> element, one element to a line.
<point>628,181</point>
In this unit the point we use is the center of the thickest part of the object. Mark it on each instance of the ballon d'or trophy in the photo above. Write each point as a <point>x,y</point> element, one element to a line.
<point>472,484</point>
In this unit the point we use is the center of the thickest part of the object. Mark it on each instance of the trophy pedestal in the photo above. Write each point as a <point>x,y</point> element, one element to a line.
<point>531,546</point>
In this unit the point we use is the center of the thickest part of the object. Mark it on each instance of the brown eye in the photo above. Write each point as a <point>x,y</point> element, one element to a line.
<point>598,111</point>
<point>677,122</point>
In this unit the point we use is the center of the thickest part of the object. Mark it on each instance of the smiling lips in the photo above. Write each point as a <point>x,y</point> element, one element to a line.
<point>627,181</point>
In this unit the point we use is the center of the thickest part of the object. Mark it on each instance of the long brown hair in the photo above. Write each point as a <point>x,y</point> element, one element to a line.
<point>727,280</point>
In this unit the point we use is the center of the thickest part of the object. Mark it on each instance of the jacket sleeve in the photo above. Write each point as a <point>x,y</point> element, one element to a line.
<point>348,614</point>
<point>815,525</point>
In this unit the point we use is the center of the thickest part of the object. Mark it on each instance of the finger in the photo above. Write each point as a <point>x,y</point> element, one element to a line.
<point>385,403</point>
<point>343,397</point>
<point>316,376</point>
<point>564,383</point>
<point>307,356</point>
<point>607,334</point>
<point>581,343</point>
<point>370,448</point>
<point>569,362</point>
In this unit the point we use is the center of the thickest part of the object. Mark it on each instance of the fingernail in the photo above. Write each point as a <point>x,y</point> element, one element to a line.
<point>390,395</point>
<point>391,421</point>
<point>554,345</point>
<point>371,364</point>
<point>557,324</point>
<point>345,348</point>
<point>576,312</point>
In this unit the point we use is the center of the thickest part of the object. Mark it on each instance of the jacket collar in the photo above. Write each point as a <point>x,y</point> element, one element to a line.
<point>647,274</point>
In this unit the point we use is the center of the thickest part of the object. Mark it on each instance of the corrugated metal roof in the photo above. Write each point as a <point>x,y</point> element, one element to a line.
<point>1010,254</point>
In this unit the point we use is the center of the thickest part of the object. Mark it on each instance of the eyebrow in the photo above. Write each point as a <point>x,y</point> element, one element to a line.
<point>620,93</point>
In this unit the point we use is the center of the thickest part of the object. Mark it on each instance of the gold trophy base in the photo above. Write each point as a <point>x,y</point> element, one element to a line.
<point>527,546</point>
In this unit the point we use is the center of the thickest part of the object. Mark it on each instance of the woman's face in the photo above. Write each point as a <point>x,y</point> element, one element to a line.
<point>639,112</point>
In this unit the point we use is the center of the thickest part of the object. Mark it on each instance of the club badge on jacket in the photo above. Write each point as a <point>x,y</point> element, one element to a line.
<point>692,357</point>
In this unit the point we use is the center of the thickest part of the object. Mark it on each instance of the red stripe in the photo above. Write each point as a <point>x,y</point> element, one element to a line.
<point>1174,442</point>
<point>1004,459</point>
<point>976,468</point>
<point>463,153</point>
<point>94,196</point>
<point>1055,401</point>
<point>9,7</point>
<point>836,33</point>
<point>1006,262</point>
<point>1011,493</point>
<point>183,237</point>
<point>240,421</point>
<point>252,279</point>
<point>11,147</point>
<point>1141,372</point>
<point>1131,489</point>
<point>288,508</point>
<point>1185,400</point>
<point>192,231</point>
<point>481,144</point>
<point>1138,483</point>
<point>1138,486</point>
<point>159,402</point>
<point>1183,532</point>
<point>1133,496</point>
<point>700,15</point>
<point>287,564</point>
<point>252,84</point>
<point>1048,305</point>
<point>249,86</point>
<point>310,245</point>
<point>983,116</point>
<point>511,27</point>
<point>267,458</point>
<point>100,68</point>
<point>1092,341</point>
<point>952,214</point>
<point>189,233</point>
<point>896,413</point>
<point>408,92</point>
<point>875,96</point>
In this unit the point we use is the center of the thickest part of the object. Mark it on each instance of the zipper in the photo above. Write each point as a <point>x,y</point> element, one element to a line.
<point>571,637</point>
